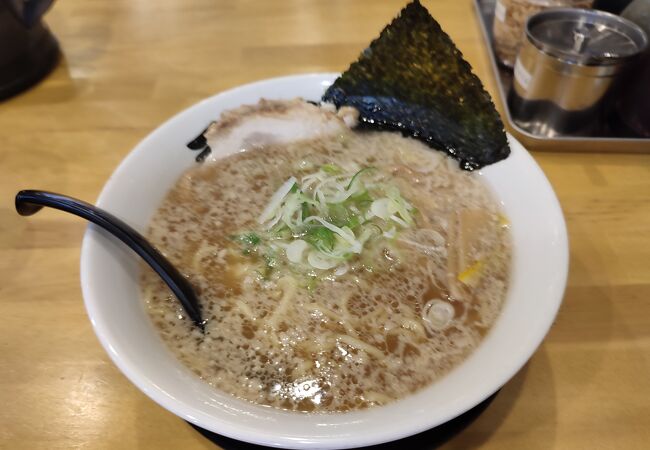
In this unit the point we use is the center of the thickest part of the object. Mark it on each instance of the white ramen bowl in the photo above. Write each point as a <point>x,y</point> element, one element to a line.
<point>110,274</point>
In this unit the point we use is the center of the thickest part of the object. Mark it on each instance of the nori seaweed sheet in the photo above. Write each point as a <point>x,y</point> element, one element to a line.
<point>413,79</point>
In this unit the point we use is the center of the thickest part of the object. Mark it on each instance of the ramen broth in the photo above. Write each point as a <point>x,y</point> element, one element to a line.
<point>386,321</point>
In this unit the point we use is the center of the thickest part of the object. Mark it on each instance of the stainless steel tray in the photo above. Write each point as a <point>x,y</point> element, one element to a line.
<point>485,12</point>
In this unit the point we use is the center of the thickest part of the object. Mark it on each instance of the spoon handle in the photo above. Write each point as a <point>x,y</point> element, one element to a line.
<point>29,202</point>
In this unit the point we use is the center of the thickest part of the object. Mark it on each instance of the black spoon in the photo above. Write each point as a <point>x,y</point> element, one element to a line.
<point>29,202</point>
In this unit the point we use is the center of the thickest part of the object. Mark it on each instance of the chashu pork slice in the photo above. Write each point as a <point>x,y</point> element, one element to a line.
<point>273,122</point>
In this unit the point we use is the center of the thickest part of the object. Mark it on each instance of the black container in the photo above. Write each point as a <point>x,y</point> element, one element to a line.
<point>28,51</point>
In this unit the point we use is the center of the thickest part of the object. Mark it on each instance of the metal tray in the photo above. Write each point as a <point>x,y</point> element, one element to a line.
<point>485,12</point>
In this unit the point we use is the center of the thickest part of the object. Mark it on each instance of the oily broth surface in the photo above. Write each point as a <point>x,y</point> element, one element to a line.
<point>351,341</point>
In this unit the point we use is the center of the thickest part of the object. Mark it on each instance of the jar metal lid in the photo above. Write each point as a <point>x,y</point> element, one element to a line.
<point>585,36</point>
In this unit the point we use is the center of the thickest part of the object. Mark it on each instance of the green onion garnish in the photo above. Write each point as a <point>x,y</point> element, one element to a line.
<point>328,217</point>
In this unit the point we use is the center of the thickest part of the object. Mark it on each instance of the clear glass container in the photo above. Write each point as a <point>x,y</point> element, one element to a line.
<point>510,18</point>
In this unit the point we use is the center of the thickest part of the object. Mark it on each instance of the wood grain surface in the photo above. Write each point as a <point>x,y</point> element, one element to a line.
<point>130,64</point>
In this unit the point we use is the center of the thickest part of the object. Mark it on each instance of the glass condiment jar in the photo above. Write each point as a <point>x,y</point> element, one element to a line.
<point>510,17</point>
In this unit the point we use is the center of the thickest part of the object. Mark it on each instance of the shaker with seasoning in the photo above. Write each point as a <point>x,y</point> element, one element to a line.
<point>568,63</point>
<point>510,17</point>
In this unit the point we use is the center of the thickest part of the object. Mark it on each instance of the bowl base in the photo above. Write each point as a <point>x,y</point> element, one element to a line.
<point>428,439</point>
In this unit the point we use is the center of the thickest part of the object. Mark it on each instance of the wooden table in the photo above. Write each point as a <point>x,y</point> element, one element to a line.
<point>130,64</point>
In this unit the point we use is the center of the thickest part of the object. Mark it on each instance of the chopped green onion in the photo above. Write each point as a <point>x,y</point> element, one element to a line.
<point>276,200</point>
<point>331,169</point>
<point>251,239</point>
<point>295,250</point>
<point>328,218</point>
<point>363,199</point>
<point>356,175</point>
<point>320,261</point>
<point>306,211</point>
<point>321,238</point>
<point>344,233</point>
<point>353,222</point>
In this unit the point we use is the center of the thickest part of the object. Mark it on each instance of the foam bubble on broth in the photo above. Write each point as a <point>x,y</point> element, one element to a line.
<point>352,341</point>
